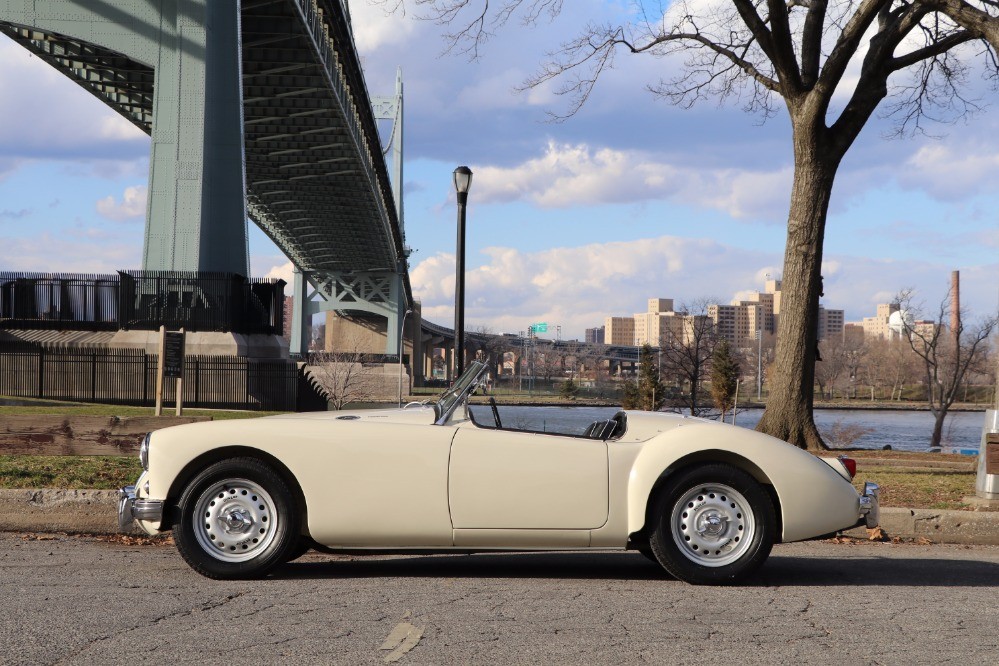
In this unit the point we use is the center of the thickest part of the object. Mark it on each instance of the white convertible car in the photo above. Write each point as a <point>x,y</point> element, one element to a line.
<point>705,500</point>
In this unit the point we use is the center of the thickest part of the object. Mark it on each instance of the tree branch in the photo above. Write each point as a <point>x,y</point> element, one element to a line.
<point>933,50</point>
<point>847,45</point>
<point>811,42</point>
<point>783,58</point>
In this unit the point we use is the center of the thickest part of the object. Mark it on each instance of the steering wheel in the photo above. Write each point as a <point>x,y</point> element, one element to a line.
<point>492,403</point>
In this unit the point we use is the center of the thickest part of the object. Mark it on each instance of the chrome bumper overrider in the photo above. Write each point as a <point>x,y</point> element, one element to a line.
<point>130,508</point>
<point>870,510</point>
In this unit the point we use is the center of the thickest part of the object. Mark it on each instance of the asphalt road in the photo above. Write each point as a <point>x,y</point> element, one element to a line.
<point>81,600</point>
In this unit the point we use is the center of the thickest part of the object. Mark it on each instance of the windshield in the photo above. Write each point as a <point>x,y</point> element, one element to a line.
<point>459,391</point>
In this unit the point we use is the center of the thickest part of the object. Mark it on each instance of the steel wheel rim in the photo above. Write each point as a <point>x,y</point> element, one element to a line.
<point>235,520</point>
<point>712,524</point>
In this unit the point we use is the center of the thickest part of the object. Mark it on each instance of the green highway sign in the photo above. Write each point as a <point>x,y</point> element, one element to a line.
<point>540,327</point>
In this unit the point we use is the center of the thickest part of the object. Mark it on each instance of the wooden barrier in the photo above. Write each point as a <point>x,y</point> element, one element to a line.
<point>58,435</point>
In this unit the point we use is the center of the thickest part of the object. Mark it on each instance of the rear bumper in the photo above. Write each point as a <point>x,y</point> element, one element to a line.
<point>131,509</point>
<point>870,505</point>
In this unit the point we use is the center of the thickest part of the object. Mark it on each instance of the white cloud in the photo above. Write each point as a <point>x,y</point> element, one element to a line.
<point>281,272</point>
<point>376,28</point>
<point>115,127</point>
<point>52,117</point>
<point>84,251</point>
<point>577,287</point>
<point>132,205</point>
<point>951,171</point>
<point>578,175</point>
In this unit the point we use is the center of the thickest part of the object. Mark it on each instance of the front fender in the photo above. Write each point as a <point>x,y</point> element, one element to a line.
<point>813,499</point>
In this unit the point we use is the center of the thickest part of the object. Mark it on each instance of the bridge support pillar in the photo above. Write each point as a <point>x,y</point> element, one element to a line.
<point>196,208</point>
<point>300,316</point>
<point>380,294</point>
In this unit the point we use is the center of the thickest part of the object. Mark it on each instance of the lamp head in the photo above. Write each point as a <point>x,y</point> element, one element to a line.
<point>462,180</point>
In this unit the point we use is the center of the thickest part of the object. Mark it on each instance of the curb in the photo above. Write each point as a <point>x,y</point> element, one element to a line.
<point>938,525</point>
<point>84,511</point>
<point>96,512</point>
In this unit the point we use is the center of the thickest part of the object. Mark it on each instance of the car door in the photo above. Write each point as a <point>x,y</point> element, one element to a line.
<point>502,479</point>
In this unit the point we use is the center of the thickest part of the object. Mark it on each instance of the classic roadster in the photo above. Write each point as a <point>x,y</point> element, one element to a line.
<point>705,500</point>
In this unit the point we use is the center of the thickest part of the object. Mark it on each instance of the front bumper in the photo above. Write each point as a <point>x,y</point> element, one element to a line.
<point>870,508</point>
<point>131,509</point>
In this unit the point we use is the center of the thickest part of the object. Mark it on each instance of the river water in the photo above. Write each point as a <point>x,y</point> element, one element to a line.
<point>907,430</point>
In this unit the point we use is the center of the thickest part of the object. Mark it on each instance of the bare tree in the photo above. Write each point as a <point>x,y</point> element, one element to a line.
<point>768,54</point>
<point>831,367</point>
<point>686,354</point>
<point>947,355</point>
<point>340,375</point>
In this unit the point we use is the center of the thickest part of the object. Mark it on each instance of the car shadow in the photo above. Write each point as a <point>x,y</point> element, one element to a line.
<point>779,570</point>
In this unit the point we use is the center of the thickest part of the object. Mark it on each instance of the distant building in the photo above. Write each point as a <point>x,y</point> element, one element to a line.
<point>831,323</point>
<point>879,326</point>
<point>595,336</point>
<point>888,324</point>
<point>619,330</point>
<point>737,322</point>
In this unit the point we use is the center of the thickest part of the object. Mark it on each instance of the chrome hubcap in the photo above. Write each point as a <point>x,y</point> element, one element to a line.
<point>234,520</point>
<point>712,524</point>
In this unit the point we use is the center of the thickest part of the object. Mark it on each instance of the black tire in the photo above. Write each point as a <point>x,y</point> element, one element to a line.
<point>646,550</point>
<point>712,524</point>
<point>303,546</point>
<point>236,519</point>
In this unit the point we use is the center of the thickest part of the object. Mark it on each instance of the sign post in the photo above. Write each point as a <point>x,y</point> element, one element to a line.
<point>159,373</point>
<point>171,364</point>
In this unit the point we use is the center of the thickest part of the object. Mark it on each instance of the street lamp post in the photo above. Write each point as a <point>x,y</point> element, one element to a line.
<point>759,365</point>
<point>462,182</point>
<point>402,346</point>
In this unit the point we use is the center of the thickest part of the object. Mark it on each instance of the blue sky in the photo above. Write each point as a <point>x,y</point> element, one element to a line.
<point>569,222</point>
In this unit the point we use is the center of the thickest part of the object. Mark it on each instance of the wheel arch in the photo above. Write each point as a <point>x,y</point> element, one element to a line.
<point>699,458</point>
<point>191,469</point>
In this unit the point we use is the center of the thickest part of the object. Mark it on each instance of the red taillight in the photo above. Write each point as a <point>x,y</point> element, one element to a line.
<point>850,464</point>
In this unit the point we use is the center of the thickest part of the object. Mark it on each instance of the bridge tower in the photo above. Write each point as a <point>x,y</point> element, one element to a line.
<point>196,210</point>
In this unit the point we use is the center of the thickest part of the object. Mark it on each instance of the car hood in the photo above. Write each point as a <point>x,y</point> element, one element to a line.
<point>422,415</point>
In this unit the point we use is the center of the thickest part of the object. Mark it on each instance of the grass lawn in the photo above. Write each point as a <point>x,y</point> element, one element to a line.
<point>919,489</point>
<point>99,472</point>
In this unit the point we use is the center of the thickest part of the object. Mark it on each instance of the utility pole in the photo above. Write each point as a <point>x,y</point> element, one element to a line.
<point>759,365</point>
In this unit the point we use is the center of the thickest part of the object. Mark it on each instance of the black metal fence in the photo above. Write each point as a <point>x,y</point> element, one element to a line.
<point>128,377</point>
<point>142,300</point>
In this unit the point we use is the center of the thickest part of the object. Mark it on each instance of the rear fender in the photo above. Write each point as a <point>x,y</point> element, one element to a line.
<point>811,498</point>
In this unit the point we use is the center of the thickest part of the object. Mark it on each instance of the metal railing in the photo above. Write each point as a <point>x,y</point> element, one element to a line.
<point>128,377</point>
<point>142,300</point>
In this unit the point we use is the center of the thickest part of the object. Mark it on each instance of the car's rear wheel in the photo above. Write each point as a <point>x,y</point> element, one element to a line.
<point>713,523</point>
<point>236,519</point>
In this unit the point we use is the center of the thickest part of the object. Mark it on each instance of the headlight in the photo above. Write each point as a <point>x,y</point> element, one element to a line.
<point>144,452</point>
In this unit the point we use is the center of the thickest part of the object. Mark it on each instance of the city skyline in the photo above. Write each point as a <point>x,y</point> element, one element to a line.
<point>629,198</point>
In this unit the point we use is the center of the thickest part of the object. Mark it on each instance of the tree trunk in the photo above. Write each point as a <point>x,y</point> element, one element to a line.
<point>938,428</point>
<point>788,414</point>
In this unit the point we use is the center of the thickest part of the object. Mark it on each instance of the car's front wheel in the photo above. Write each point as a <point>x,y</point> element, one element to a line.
<point>713,523</point>
<point>236,519</point>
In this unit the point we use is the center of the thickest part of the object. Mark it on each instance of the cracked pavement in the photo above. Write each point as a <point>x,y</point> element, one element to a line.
<point>83,600</point>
